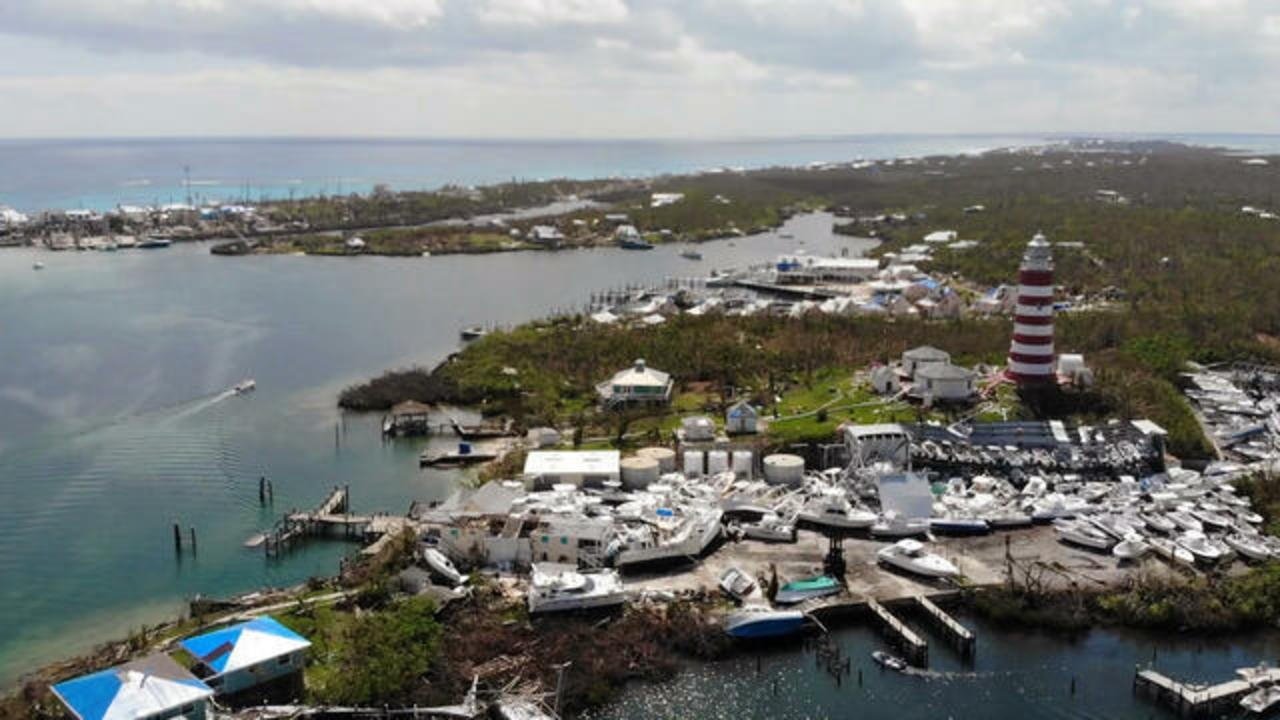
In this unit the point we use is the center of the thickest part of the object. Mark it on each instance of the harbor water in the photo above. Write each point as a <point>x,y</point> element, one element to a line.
<point>116,420</point>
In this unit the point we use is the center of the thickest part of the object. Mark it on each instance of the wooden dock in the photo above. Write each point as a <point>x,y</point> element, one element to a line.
<point>333,518</point>
<point>1197,701</point>
<point>961,637</point>
<point>913,647</point>
<point>799,291</point>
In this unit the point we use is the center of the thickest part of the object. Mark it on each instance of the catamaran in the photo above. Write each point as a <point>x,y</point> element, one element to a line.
<point>558,588</point>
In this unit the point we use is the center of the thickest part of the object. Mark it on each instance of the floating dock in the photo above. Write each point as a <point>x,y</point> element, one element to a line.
<point>1197,701</point>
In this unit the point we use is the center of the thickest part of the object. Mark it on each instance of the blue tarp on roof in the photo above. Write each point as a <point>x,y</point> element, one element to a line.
<point>245,644</point>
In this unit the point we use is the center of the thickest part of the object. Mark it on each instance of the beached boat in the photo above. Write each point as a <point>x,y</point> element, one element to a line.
<point>800,590</point>
<point>760,621</point>
<point>1158,522</point>
<point>441,565</point>
<point>1250,547</point>
<point>770,528</point>
<point>831,508</point>
<point>1132,547</point>
<point>668,534</point>
<point>895,526</point>
<point>1262,700</point>
<point>737,583</point>
<point>1172,551</point>
<point>911,556</point>
<point>634,243</point>
<point>887,660</point>
<point>1185,521</point>
<point>560,588</point>
<point>245,386</point>
<point>1199,545</point>
<point>959,526</point>
<point>154,243</point>
<point>1078,533</point>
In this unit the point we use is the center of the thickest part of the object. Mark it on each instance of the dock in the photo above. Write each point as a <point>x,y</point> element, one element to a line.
<point>800,292</point>
<point>913,647</point>
<point>1197,701</point>
<point>333,517</point>
<point>961,637</point>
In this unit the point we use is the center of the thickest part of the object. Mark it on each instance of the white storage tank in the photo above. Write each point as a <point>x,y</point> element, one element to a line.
<point>693,463</point>
<point>666,458</point>
<point>741,463</point>
<point>717,462</point>
<point>784,469</point>
<point>639,472</point>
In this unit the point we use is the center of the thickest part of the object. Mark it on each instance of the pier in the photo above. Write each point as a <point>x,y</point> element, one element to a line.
<point>801,292</point>
<point>913,647</point>
<point>333,517</point>
<point>961,637</point>
<point>1197,701</point>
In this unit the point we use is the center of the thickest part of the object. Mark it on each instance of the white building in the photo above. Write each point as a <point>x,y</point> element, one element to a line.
<point>941,236</point>
<point>942,382</point>
<point>544,468</point>
<point>545,235</point>
<point>923,355</point>
<point>884,380</point>
<point>807,269</point>
<point>741,418</point>
<point>697,428</point>
<point>637,384</point>
<point>660,199</point>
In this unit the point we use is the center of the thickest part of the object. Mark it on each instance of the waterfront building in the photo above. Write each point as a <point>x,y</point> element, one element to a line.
<point>154,687</point>
<point>407,418</point>
<point>259,657</point>
<point>1031,351</point>
<point>637,384</point>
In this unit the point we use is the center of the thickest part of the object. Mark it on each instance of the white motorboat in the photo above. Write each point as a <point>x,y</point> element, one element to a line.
<point>887,660</point>
<point>1250,547</point>
<point>1078,533</point>
<point>831,508</point>
<point>1262,700</point>
<point>737,583</point>
<point>1249,516</point>
<point>911,556</point>
<point>1172,551</point>
<point>1198,545</point>
<point>891,524</point>
<point>37,265</point>
<point>1185,521</point>
<point>556,588</point>
<point>762,621</point>
<point>770,528</point>
<point>1132,547</point>
<point>1158,522</point>
<point>244,386</point>
<point>441,565</point>
<point>1211,519</point>
<point>668,534</point>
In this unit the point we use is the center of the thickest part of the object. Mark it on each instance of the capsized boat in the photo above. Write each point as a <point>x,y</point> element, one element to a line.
<point>761,621</point>
<point>555,587</point>
<point>770,528</point>
<point>441,565</point>
<point>737,583</point>
<point>911,556</point>
<point>1132,547</point>
<point>800,590</point>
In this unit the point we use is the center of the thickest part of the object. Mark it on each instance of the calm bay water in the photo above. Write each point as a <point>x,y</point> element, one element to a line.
<point>98,174</point>
<point>115,421</point>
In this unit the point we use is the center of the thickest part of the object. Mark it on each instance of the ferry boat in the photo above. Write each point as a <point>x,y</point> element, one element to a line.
<point>911,556</point>
<point>760,621</point>
<point>560,588</point>
<point>800,590</point>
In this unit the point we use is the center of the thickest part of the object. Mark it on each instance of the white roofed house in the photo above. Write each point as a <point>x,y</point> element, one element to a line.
<point>916,358</point>
<point>638,384</point>
<point>545,468</point>
<point>943,382</point>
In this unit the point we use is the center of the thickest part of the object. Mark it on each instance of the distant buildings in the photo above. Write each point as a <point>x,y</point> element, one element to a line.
<point>547,468</point>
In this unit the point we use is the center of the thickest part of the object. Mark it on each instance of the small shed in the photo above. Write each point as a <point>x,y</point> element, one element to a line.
<point>884,380</point>
<point>741,418</point>
<point>637,384</point>
<point>247,656</point>
<point>923,355</point>
<point>697,428</point>
<point>544,468</point>
<point>151,687</point>
<point>943,382</point>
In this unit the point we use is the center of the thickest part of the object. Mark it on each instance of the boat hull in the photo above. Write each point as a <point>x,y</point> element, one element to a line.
<point>770,625</point>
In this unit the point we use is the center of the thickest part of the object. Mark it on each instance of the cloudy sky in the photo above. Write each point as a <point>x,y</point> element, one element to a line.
<point>635,68</point>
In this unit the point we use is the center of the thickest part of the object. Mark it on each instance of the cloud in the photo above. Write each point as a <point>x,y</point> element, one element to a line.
<point>607,67</point>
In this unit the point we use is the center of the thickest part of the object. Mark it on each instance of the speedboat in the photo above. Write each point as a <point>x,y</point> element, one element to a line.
<point>691,255</point>
<point>737,583</point>
<point>441,565</point>
<point>911,556</point>
<point>891,524</point>
<point>556,588</point>
<point>887,660</point>
<point>1250,547</point>
<point>761,621</point>
<point>37,265</point>
<point>833,509</point>
<point>1158,522</point>
<point>1172,551</point>
<point>770,528</point>
<point>1185,521</point>
<point>1262,700</point>
<point>1132,547</point>
<point>244,386</point>
<point>800,590</point>
<point>1198,545</point>
<point>1078,533</point>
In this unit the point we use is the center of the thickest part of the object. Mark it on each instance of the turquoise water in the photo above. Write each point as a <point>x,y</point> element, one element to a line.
<point>115,423</point>
<point>1014,675</point>
<point>98,174</point>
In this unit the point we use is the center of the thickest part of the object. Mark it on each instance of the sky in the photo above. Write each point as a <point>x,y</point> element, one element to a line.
<point>635,68</point>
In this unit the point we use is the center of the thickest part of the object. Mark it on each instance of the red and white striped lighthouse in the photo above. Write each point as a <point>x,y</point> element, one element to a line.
<point>1031,352</point>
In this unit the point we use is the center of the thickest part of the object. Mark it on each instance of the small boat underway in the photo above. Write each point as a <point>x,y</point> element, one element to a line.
<point>911,556</point>
<point>37,265</point>
<point>554,587</point>
<point>887,660</point>
<point>760,621</point>
<point>691,255</point>
<point>245,386</point>
<point>800,590</point>
<point>1262,700</point>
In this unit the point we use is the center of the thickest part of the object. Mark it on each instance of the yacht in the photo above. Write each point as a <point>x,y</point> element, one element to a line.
<point>761,621</point>
<point>831,508</point>
<point>1132,547</point>
<point>800,590</point>
<point>770,528</point>
<point>1078,533</point>
<point>911,556</point>
<point>667,534</point>
<point>442,566</point>
<point>557,588</point>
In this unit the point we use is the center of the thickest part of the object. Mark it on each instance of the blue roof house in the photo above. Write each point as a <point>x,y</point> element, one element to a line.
<point>150,688</point>
<point>247,656</point>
